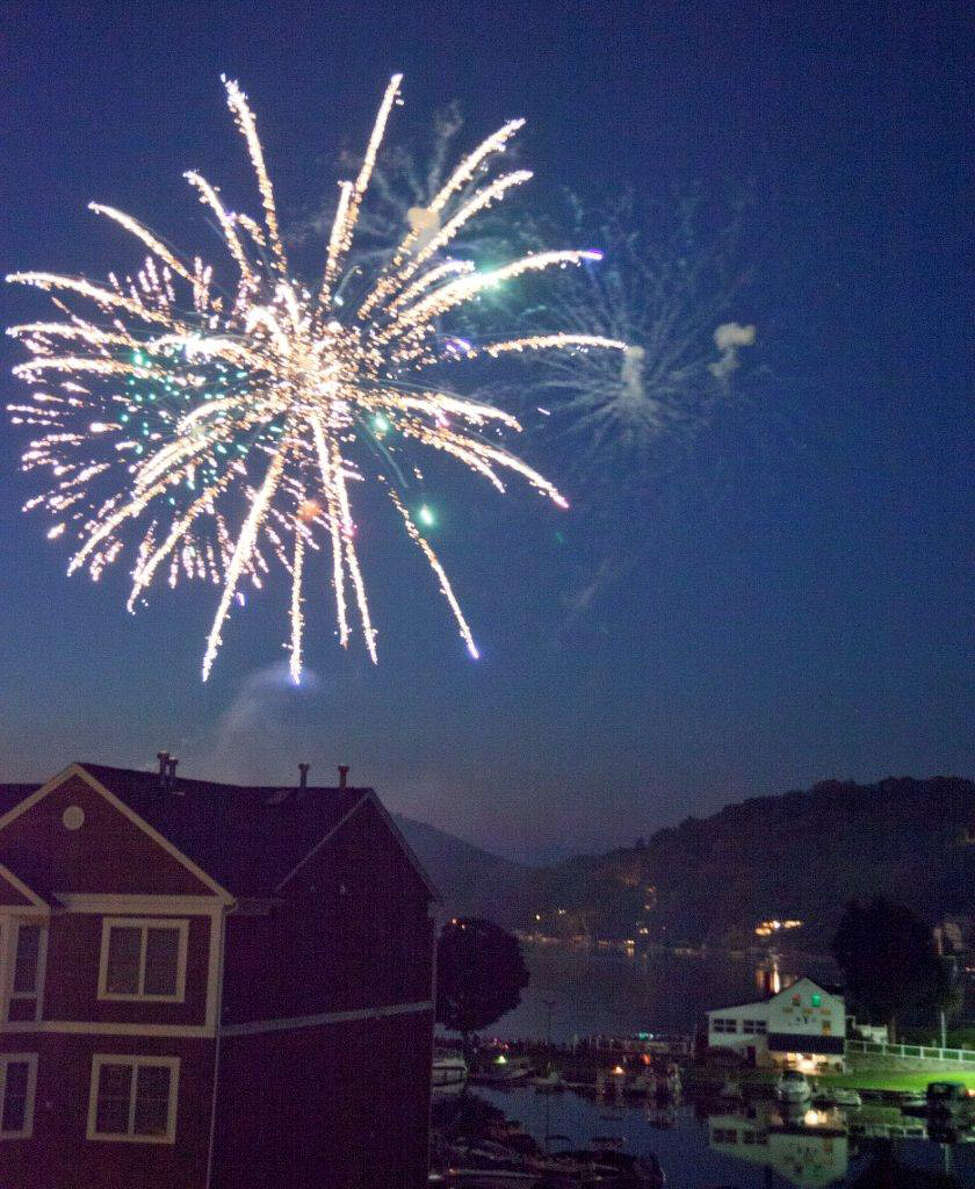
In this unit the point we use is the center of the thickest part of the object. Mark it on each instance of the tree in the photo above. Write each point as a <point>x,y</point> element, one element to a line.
<point>480,975</point>
<point>889,959</point>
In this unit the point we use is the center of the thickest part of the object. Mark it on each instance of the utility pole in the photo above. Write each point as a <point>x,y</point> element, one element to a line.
<point>941,957</point>
<point>549,1004</point>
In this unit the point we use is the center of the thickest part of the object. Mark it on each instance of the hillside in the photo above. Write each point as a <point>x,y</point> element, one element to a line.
<point>471,881</point>
<point>801,855</point>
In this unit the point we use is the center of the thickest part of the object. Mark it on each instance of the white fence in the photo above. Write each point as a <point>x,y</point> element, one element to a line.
<point>918,1052</point>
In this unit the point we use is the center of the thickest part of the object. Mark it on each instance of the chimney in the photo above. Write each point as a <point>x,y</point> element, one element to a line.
<point>171,763</point>
<point>303,778</point>
<point>163,758</point>
<point>343,776</point>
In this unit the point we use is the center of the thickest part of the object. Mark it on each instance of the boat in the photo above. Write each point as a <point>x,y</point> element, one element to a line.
<point>449,1074</point>
<point>792,1086</point>
<point>501,1070</point>
<point>549,1083</point>
<point>949,1100</point>
<point>913,1104</point>
<point>487,1164</point>
<point>609,1167</point>
<point>838,1096</point>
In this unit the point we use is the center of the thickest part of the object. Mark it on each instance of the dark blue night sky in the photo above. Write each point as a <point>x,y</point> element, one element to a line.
<point>786,596</point>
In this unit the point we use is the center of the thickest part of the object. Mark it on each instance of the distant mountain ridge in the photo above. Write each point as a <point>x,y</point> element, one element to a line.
<point>473,882</point>
<point>800,855</point>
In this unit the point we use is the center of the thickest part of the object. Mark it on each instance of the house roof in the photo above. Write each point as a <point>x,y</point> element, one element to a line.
<point>738,1006</point>
<point>247,838</point>
<point>13,794</point>
<point>828,989</point>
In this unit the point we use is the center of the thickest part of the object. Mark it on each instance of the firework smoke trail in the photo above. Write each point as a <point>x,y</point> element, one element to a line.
<point>177,410</point>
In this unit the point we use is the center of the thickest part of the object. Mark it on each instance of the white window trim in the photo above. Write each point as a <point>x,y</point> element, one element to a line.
<point>31,1060</point>
<point>145,924</point>
<point>133,1061</point>
<point>38,993</point>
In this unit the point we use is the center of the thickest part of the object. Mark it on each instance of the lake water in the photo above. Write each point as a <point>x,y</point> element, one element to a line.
<point>593,993</point>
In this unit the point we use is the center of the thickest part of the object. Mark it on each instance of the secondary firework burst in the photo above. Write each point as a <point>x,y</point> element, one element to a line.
<point>217,430</point>
<point>669,296</point>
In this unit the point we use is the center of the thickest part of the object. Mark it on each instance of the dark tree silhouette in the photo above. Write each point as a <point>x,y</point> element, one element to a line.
<point>480,975</point>
<point>888,956</point>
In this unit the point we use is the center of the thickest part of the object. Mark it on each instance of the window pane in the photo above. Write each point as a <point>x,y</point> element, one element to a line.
<point>124,950</point>
<point>114,1094</point>
<point>25,968</point>
<point>152,1100</point>
<point>162,960</point>
<point>15,1097</point>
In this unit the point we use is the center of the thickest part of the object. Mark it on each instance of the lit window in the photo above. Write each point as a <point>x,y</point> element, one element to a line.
<point>28,972</point>
<point>133,1099</point>
<point>817,1000</point>
<point>18,1082</point>
<point>143,960</point>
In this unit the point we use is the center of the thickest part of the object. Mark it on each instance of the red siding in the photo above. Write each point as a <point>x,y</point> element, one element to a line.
<point>344,1106</point>
<point>353,931</point>
<point>90,859</point>
<point>60,1157</point>
<point>74,948</point>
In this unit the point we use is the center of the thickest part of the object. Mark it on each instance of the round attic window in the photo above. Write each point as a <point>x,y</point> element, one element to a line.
<point>73,817</point>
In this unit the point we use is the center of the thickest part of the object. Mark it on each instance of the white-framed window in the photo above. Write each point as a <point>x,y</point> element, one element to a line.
<point>754,1027</point>
<point>28,957</point>
<point>143,959</point>
<point>133,1099</point>
<point>18,1086</point>
<point>725,1024</point>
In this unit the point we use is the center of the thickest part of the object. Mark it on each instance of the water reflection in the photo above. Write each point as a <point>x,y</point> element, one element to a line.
<point>769,977</point>
<point>710,1142</point>
<point>803,1146</point>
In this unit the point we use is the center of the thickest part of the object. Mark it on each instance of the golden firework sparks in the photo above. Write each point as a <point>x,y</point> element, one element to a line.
<point>219,427</point>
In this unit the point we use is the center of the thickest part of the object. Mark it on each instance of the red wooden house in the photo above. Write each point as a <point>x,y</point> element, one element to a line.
<point>204,985</point>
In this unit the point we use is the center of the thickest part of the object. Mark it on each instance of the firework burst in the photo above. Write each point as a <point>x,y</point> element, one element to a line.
<point>215,431</point>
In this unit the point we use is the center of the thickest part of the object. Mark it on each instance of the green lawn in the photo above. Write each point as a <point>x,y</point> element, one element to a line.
<point>883,1079</point>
